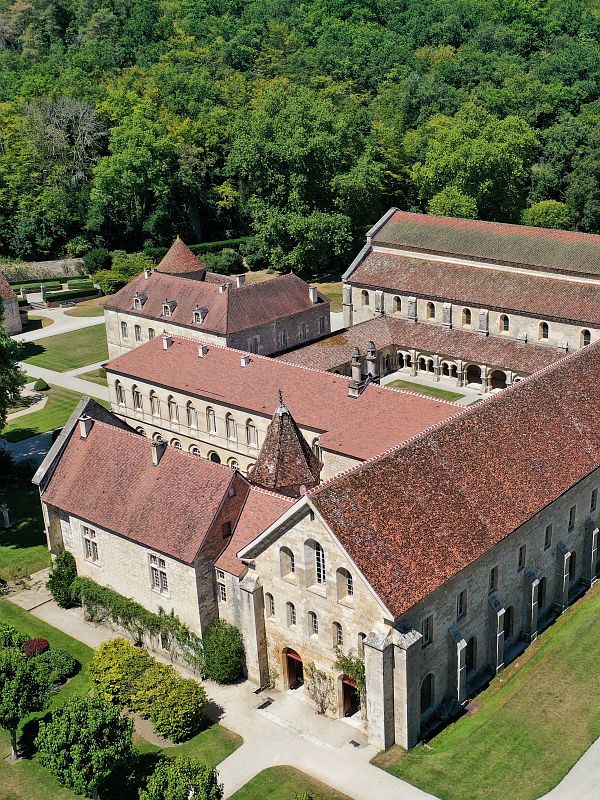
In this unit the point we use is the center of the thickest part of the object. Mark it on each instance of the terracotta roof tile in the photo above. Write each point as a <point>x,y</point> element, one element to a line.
<point>461,488</point>
<point>495,351</point>
<point>531,295</point>
<point>359,427</point>
<point>496,242</point>
<point>179,260</point>
<point>6,290</point>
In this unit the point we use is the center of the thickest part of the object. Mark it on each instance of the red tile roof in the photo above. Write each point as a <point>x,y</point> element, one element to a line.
<point>359,427</point>
<point>169,508</point>
<point>496,242</point>
<point>6,290</point>
<point>285,462</point>
<point>179,260</point>
<point>414,518</point>
<point>260,510</point>
<point>530,295</point>
<point>236,309</point>
<point>495,351</point>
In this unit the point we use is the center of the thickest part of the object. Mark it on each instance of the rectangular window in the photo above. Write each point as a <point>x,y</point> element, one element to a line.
<point>253,344</point>
<point>231,429</point>
<point>138,333</point>
<point>493,580</point>
<point>222,593</point>
<point>220,575</point>
<point>124,332</point>
<point>522,551</point>
<point>322,322</point>
<point>594,500</point>
<point>547,537</point>
<point>303,332</point>
<point>151,333</point>
<point>427,630</point>
<point>572,512</point>
<point>158,572</point>
<point>90,544</point>
<point>282,338</point>
<point>461,604</point>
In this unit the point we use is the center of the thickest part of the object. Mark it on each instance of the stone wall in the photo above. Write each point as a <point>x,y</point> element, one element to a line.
<point>11,319</point>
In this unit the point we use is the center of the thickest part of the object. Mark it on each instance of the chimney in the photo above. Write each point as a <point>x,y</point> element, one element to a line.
<point>356,365</point>
<point>167,341</point>
<point>146,274</point>
<point>372,360</point>
<point>222,288</point>
<point>85,425</point>
<point>240,280</point>
<point>244,361</point>
<point>202,350</point>
<point>313,294</point>
<point>158,448</point>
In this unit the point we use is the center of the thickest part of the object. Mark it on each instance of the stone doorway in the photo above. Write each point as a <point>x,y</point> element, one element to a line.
<point>295,669</point>
<point>350,697</point>
<point>474,374</point>
<point>498,379</point>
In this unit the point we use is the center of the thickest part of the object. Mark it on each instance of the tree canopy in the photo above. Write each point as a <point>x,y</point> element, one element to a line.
<point>125,122</point>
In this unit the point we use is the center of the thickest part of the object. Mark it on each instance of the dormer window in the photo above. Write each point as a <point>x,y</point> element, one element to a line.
<point>200,315</point>
<point>139,300</point>
<point>168,307</point>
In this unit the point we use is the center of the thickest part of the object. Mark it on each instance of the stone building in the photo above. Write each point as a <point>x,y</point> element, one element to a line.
<point>180,296</point>
<point>9,308</point>
<point>509,282</point>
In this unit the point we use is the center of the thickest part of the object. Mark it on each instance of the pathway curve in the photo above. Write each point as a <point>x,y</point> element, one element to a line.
<point>62,324</point>
<point>67,380</point>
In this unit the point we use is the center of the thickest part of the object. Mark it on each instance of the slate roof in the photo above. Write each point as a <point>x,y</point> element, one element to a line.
<point>286,461</point>
<point>414,518</point>
<point>237,309</point>
<point>495,242</point>
<point>358,427</point>
<point>495,351</point>
<point>530,295</point>
<point>6,290</point>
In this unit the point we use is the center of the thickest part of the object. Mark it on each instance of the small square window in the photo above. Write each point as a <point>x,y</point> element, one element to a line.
<point>427,630</point>
<point>493,580</point>
<point>522,551</point>
<point>594,500</point>
<point>461,604</point>
<point>220,575</point>
<point>572,513</point>
<point>547,537</point>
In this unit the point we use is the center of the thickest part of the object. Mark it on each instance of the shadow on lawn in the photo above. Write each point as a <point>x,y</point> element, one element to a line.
<point>31,349</point>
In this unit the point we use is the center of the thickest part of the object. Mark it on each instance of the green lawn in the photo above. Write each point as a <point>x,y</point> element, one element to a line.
<point>68,350</point>
<point>333,291</point>
<point>95,376</point>
<point>282,783</point>
<point>88,308</point>
<point>54,414</point>
<point>430,391</point>
<point>27,779</point>
<point>35,323</point>
<point>536,719</point>
<point>23,548</point>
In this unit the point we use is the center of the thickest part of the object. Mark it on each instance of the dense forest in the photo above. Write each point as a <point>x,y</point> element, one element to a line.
<point>124,122</point>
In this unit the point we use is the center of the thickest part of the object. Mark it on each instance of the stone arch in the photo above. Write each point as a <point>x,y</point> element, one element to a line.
<point>287,562</point>
<point>214,457</point>
<point>422,364</point>
<point>364,298</point>
<point>141,431</point>
<point>396,305</point>
<point>467,317</point>
<point>344,585</point>
<point>544,330</point>
<point>175,443</point>
<point>454,371</point>
<point>157,437</point>
<point>430,367</point>
<point>585,339</point>
<point>473,374</point>
<point>195,450</point>
<point>293,667</point>
<point>498,379</point>
<point>504,323</point>
<point>314,563</point>
<point>445,369</point>
<point>430,311</point>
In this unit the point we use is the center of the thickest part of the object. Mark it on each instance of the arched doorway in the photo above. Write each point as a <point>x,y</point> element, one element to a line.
<point>474,374</point>
<point>498,380</point>
<point>471,655</point>
<point>295,669</point>
<point>445,370</point>
<point>350,697</point>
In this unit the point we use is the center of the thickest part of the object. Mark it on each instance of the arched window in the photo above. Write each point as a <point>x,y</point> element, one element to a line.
<point>173,409</point>
<point>151,333</point>
<point>211,420</point>
<point>269,605</point>
<point>141,431</point>
<point>364,297</point>
<point>251,434</point>
<point>176,444</point>
<point>137,398</point>
<point>154,404</point>
<point>191,415</point>
<point>124,330</point>
<point>361,644</point>
<point>422,364</point>
<point>287,562</point>
<point>338,635</point>
<point>166,310</point>
<point>195,450</point>
<point>249,469</point>
<point>544,330</point>
<point>319,564</point>
<point>344,585</point>
<point>466,316</point>
<point>313,624</point>
<point>215,458</point>
<point>231,428</point>
<point>157,437</point>
<point>396,305</point>
<point>586,338</point>
<point>120,392</point>
<point>427,689</point>
<point>138,332</point>
<point>316,448</point>
<point>233,463</point>
<point>430,311</point>
<point>504,323</point>
<point>290,613</point>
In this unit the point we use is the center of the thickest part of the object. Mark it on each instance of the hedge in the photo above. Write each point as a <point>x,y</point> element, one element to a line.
<point>157,253</point>
<point>224,656</point>
<point>80,283</point>
<point>16,285</point>
<point>56,665</point>
<point>64,572</point>
<point>70,294</point>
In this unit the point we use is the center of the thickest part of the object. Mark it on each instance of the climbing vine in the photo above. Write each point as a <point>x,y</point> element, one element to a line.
<point>354,667</point>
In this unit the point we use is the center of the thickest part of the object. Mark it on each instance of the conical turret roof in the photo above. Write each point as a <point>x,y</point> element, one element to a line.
<point>179,260</point>
<point>286,462</point>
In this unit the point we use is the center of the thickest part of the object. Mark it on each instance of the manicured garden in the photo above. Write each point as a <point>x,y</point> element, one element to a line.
<point>88,308</point>
<point>67,351</point>
<point>421,388</point>
<point>284,783</point>
<point>535,720</point>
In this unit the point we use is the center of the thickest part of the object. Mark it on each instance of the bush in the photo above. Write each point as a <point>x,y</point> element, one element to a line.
<point>80,283</point>
<point>227,262</point>
<point>10,637</point>
<point>56,665</point>
<point>548,214</point>
<point>115,669</point>
<point>224,657</point>
<point>152,687</point>
<point>180,778</point>
<point>97,259</point>
<point>69,294</point>
<point>255,256</point>
<point>130,264</point>
<point>110,281</point>
<point>180,714</point>
<point>40,385</point>
<point>35,647</point>
<point>64,572</point>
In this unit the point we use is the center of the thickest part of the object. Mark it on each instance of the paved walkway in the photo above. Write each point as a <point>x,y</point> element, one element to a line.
<point>62,324</point>
<point>471,393</point>
<point>67,380</point>
<point>34,448</point>
<point>288,732</point>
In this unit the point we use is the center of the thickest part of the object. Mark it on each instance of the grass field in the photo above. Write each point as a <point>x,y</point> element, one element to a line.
<point>430,391</point>
<point>68,350</point>
<point>536,719</point>
<point>88,308</point>
<point>27,779</point>
<point>23,548</point>
<point>95,376</point>
<point>283,783</point>
<point>54,414</point>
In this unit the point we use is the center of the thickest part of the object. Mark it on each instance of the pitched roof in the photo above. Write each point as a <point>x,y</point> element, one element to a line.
<point>179,260</point>
<point>461,488</point>
<point>285,462</point>
<point>6,290</point>
<point>236,309</point>
<point>359,427</point>
<point>495,351</point>
<point>496,242</point>
<point>170,507</point>
<point>532,295</point>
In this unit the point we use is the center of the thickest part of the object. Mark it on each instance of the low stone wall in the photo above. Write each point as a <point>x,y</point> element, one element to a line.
<point>32,270</point>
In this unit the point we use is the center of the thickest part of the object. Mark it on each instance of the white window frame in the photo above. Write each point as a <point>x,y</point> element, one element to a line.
<point>124,330</point>
<point>158,574</point>
<point>90,544</point>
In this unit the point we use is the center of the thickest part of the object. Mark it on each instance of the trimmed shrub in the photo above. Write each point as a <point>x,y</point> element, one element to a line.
<point>64,572</point>
<point>180,714</point>
<point>80,283</point>
<point>40,385</point>
<point>97,259</point>
<point>115,669</point>
<point>110,281</point>
<point>152,688</point>
<point>182,777</point>
<point>69,294</point>
<point>224,657</point>
<point>10,637</point>
<point>35,647</point>
<point>56,665</point>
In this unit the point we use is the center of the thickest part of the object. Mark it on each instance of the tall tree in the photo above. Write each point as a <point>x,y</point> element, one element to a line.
<point>12,379</point>
<point>22,690</point>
